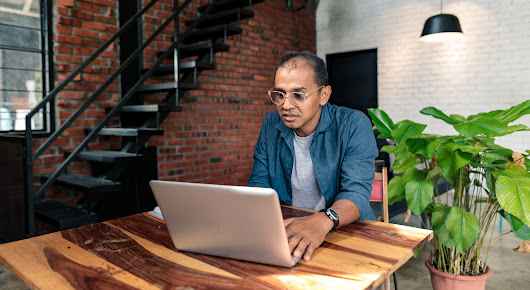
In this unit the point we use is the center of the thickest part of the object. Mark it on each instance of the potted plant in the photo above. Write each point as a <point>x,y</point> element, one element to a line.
<point>488,179</point>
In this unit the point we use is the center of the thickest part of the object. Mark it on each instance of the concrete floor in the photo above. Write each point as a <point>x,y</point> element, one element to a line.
<point>511,270</point>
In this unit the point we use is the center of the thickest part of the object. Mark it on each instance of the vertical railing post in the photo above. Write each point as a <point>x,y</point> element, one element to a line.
<point>28,159</point>
<point>176,72</point>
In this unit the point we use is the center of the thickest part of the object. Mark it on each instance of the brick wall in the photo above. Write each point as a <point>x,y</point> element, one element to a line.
<point>80,28</point>
<point>487,70</point>
<point>212,140</point>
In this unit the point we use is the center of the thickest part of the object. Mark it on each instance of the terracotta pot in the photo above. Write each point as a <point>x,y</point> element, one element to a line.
<point>442,280</point>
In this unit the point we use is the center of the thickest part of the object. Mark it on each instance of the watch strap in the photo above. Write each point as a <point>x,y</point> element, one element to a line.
<point>332,215</point>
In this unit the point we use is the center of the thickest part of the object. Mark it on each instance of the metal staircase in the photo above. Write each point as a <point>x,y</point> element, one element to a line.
<point>119,180</point>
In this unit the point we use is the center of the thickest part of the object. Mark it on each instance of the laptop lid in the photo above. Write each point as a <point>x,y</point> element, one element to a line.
<point>235,222</point>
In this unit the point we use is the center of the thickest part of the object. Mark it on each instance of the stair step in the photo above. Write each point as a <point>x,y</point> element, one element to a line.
<point>127,132</point>
<point>186,66</point>
<point>213,32</point>
<point>198,49</point>
<point>202,48</point>
<point>151,108</point>
<point>61,215</point>
<point>105,156</point>
<point>164,87</point>
<point>88,184</point>
<point>223,17</point>
<point>221,5</point>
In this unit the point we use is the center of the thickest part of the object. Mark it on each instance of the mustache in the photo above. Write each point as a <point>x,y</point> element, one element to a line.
<point>289,114</point>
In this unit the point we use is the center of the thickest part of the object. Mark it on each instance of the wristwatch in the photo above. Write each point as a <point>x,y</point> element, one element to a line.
<point>332,215</point>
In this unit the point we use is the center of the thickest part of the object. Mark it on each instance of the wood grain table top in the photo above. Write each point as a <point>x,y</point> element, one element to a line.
<point>136,252</point>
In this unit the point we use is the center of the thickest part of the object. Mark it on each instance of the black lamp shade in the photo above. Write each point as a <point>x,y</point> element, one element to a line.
<point>441,23</point>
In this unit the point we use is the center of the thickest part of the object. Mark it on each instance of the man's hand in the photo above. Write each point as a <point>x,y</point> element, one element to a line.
<point>307,233</point>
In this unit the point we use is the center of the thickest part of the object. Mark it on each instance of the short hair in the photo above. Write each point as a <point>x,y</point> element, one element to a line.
<point>317,64</point>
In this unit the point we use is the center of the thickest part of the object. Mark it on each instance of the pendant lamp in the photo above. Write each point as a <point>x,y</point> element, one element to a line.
<point>441,27</point>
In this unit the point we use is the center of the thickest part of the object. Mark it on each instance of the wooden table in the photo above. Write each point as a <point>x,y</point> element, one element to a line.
<point>136,252</point>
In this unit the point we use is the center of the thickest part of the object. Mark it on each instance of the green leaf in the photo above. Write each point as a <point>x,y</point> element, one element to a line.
<point>521,230</point>
<point>513,194</point>
<point>388,148</point>
<point>491,156</point>
<point>396,186</point>
<point>459,118</point>
<point>486,141</point>
<point>435,172</point>
<point>490,183</point>
<point>463,228</point>
<point>404,159</point>
<point>492,114</point>
<point>515,112</point>
<point>418,195</point>
<point>425,146</point>
<point>470,146</point>
<point>402,166</point>
<point>481,126</point>
<point>406,129</point>
<point>439,215</point>
<point>396,190</point>
<point>512,170</point>
<point>516,128</point>
<point>382,122</point>
<point>439,115</point>
<point>451,160</point>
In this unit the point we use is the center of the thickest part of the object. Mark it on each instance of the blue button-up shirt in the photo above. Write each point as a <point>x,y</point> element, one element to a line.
<point>343,154</point>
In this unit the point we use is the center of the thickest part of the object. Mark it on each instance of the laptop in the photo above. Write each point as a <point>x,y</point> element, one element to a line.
<point>237,222</point>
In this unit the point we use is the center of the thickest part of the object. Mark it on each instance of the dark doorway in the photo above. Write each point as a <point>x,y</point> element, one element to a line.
<point>353,79</point>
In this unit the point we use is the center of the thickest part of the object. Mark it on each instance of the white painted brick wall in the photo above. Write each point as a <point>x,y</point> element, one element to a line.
<point>488,69</point>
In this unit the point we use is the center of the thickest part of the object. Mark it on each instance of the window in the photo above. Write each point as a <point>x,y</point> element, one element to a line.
<point>24,63</point>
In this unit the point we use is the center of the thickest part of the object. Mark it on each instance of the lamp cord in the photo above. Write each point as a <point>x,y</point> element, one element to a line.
<point>441,6</point>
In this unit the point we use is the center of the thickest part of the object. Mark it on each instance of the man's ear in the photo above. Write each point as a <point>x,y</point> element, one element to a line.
<point>325,93</point>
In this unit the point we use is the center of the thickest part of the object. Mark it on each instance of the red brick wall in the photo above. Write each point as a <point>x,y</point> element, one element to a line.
<point>212,140</point>
<point>80,28</point>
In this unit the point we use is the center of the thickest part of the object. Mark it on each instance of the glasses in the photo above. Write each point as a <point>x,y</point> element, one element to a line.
<point>297,98</point>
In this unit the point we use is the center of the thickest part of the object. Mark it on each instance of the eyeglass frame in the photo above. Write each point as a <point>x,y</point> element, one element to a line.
<point>305,95</point>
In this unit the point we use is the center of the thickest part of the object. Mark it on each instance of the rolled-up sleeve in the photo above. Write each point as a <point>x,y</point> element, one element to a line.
<point>357,169</point>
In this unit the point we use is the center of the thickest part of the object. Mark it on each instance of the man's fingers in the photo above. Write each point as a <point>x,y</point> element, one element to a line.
<point>293,242</point>
<point>309,252</point>
<point>301,248</point>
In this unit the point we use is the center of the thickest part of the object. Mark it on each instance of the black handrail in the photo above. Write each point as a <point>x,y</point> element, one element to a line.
<point>71,77</point>
<point>96,94</point>
<point>123,100</point>
<point>31,157</point>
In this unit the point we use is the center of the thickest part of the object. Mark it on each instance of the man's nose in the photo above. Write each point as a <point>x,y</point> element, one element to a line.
<point>287,105</point>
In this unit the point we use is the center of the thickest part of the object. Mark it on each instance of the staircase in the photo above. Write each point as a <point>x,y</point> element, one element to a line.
<point>119,185</point>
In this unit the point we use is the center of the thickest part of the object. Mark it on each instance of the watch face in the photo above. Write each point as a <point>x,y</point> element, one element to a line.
<point>332,214</point>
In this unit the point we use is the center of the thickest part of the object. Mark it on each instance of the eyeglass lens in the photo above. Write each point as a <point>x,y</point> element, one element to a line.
<point>279,97</point>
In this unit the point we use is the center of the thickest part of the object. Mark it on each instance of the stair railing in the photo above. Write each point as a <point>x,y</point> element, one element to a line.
<point>32,157</point>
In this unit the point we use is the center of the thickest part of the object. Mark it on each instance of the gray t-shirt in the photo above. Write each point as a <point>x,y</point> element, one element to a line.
<point>306,192</point>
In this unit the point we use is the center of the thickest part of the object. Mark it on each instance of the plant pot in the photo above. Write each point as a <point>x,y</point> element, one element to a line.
<point>443,280</point>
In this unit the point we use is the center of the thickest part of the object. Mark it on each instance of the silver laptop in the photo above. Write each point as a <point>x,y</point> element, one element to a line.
<point>237,222</point>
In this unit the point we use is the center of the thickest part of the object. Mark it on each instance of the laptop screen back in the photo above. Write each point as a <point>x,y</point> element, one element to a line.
<point>236,222</point>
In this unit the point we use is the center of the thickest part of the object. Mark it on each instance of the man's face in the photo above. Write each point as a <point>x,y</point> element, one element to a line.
<point>297,76</point>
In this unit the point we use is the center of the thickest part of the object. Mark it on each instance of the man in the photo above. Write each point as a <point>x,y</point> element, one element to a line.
<point>314,154</point>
